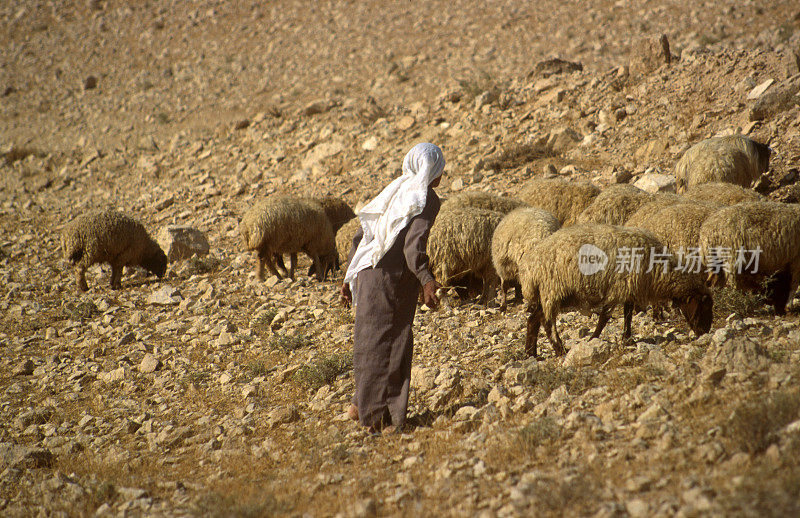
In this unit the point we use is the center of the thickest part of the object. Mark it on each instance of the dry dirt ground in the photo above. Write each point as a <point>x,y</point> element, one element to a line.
<point>229,399</point>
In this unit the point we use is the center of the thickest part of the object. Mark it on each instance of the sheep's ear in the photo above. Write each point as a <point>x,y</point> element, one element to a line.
<point>691,306</point>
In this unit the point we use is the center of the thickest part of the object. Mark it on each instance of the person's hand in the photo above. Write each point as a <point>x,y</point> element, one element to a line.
<point>429,294</point>
<point>345,295</point>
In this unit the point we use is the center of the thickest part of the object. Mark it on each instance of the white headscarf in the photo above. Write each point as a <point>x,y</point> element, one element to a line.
<point>387,215</point>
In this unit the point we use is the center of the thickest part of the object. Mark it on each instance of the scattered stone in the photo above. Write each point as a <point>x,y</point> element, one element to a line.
<point>25,368</point>
<point>24,457</point>
<point>127,338</point>
<point>165,296</point>
<point>182,242</point>
<point>780,98</point>
<point>555,66</point>
<point>759,90</point>
<point>586,352</point>
<point>655,182</point>
<point>90,83</point>
<point>241,124</point>
<point>149,364</point>
<point>316,107</point>
<point>621,176</point>
<point>738,355</point>
<point>405,123</point>
<point>562,140</point>
<point>283,415</point>
<point>484,99</point>
<point>370,144</point>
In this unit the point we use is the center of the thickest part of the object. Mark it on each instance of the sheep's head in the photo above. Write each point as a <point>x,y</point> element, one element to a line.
<point>763,153</point>
<point>155,262</point>
<point>326,264</point>
<point>698,309</point>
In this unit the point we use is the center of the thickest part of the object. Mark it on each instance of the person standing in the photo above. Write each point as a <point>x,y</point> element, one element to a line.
<point>388,264</point>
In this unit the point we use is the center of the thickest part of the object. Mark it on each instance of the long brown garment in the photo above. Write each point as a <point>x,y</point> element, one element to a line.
<point>386,300</point>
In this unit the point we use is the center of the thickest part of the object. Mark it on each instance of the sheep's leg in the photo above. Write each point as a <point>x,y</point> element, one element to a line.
<point>280,265</point>
<point>116,276</point>
<point>485,289</point>
<point>779,288</point>
<point>534,321</point>
<point>318,267</point>
<point>517,290</point>
<point>80,278</point>
<point>605,316</point>
<point>658,311</point>
<point>267,260</point>
<point>503,295</point>
<point>555,339</point>
<point>292,264</point>
<point>627,312</point>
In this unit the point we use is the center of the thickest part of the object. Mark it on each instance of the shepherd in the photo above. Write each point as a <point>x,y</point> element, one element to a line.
<point>388,264</point>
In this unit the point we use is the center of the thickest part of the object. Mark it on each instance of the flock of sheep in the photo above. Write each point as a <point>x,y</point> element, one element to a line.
<point>562,245</point>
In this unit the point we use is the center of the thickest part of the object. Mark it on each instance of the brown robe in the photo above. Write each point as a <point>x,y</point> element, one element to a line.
<point>386,300</point>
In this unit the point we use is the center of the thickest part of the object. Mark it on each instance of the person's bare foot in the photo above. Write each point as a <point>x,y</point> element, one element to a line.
<point>352,412</point>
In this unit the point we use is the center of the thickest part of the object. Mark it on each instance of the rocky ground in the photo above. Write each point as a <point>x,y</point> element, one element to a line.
<point>210,393</point>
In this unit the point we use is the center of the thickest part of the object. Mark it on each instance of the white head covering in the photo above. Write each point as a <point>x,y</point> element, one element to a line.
<point>388,214</point>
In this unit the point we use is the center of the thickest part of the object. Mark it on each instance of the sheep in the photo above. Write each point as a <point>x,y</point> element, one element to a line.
<point>285,224</point>
<point>734,159</point>
<point>482,200</point>
<point>518,231</point>
<point>344,240</point>
<point>110,237</point>
<point>659,201</point>
<point>564,200</point>
<point>723,193</point>
<point>614,205</point>
<point>338,213</point>
<point>729,237</point>
<point>459,245</point>
<point>576,267</point>
<point>678,225</point>
<point>337,210</point>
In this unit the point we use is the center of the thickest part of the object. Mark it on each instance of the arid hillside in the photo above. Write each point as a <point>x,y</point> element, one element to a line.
<point>211,393</point>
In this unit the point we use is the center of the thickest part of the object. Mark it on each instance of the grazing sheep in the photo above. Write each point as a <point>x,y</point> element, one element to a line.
<point>567,270</point>
<point>482,200</point>
<point>338,212</point>
<point>110,237</point>
<point>678,226</point>
<point>615,204</point>
<point>564,200</point>
<point>287,225</point>
<point>734,159</point>
<point>729,236</point>
<point>659,201</point>
<point>722,193</point>
<point>460,245</point>
<point>517,232</point>
<point>344,240</point>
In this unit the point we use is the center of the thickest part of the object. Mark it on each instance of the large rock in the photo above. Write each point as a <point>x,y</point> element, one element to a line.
<point>655,182</point>
<point>22,457</point>
<point>182,242</point>
<point>586,352</point>
<point>738,355</point>
<point>166,296</point>
<point>651,151</point>
<point>779,98</point>
<point>562,140</point>
<point>320,152</point>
